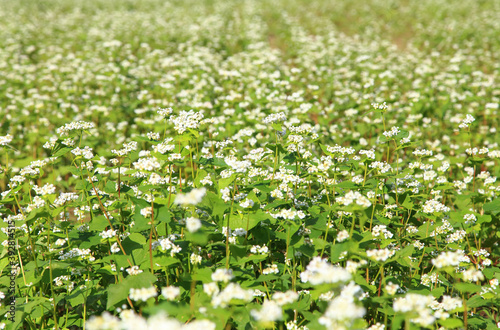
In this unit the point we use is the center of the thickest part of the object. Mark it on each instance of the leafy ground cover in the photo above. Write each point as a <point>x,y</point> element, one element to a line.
<point>249,164</point>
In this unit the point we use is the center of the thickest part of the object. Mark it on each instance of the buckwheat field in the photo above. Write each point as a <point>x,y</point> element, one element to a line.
<point>284,164</point>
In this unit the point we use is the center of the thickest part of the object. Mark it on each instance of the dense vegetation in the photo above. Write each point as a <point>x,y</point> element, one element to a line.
<point>249,164</point>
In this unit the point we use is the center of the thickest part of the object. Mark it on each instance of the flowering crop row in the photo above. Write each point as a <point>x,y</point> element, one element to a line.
<point>235,165</point>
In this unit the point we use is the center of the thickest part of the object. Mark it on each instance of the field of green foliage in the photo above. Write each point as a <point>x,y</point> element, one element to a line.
<point>253,164</point>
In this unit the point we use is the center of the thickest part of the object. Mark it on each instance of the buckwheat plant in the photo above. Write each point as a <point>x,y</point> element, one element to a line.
<point>249,164</point>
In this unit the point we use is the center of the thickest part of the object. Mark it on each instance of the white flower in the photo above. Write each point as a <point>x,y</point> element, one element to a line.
<point>195,259</point>
<point>472,275</point>
<point>269,312</point>
<point>274,118</point>
<point>147,164</point>
<point>432,206</point>
<point>107,233</point>
<point>115,248</point>
<point>147,211</point>
<point>377,326</point>
<point>60,241</point>
<point>186,120</point>
<point>207,180</point>
<point>449,303</point>
<point>354,196</point>
<point>211,288</point>
<point>320,271</point>
<point>142,293</point>
<point>416,304</point>
<point>105,321</point>
<point>232,291</point>
<point>4,140</point>
<point>236,165</point>
<point>193,197</point>
<point>127,148</point>
<point>170,292</point>
<point>391,288</point>
<point>247,203</point>
<point>153,136</point>
<point>86,152</point>
<point>134,270</point>
<point>341,312</point>
<point>79,125</point>
<point>394,131</point>
<point>448,258</point>
<point>259,249</point>
<point>47,189</point>
<point>193,224</point>
<point>470,219</point>
<point>271,269</point>
<point>222,275</point>
<point>381,230</point>
<point>380,255</point>
<point>164,112</point>
<point>467,121</point>
<point>283,298</point>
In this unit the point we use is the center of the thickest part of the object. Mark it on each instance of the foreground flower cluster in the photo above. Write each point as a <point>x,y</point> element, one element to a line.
<point>235,170</point>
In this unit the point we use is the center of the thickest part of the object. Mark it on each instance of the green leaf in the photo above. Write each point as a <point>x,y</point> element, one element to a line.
<point>337,249</point>
<point>492,207</point>
<point>62,151</point>
<point>483,218</point>
<point>438,292</point>
<point>110,187</point>
<point>198,238</point>
<point>92,240</point>
<point>201,175</point>
<point>133,242</point>
<point>277,127</point>
<point>451,323</point>
<point>214,205</point>
<point>255,258</point>
<point>166,261</point>
<point>325,150</point>
<point>476,301</point>
<point>76,298</point>
<point>248,221</point>
<point>203,275</point>
<point>99,223</point>
<point>37,214</point>
<point>237,251</point>
<point>273,147</point>
<point>225,182</point>
<point>467,287</point>
<point>212,161</point>
<point>406,252</point>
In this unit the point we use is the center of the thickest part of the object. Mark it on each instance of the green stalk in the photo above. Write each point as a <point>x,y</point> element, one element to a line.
<point>287,244</point>
<point>373,209</point>
<point>151,234</point>
<point>397,171</point>
<point>52,282</point>
<point>275,158</point>
<point>329,220</point>
<point>407,323</point>
<point>84,303</point>
<point>228,252</point>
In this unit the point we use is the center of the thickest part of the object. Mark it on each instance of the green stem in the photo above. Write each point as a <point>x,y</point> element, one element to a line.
<point>228,252</point>
<point>287,244</point>
<point>374,205</point>
<point>52,288</point>
<point>407,323</point>
<point>151,235</point>
<point>275,158</point>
